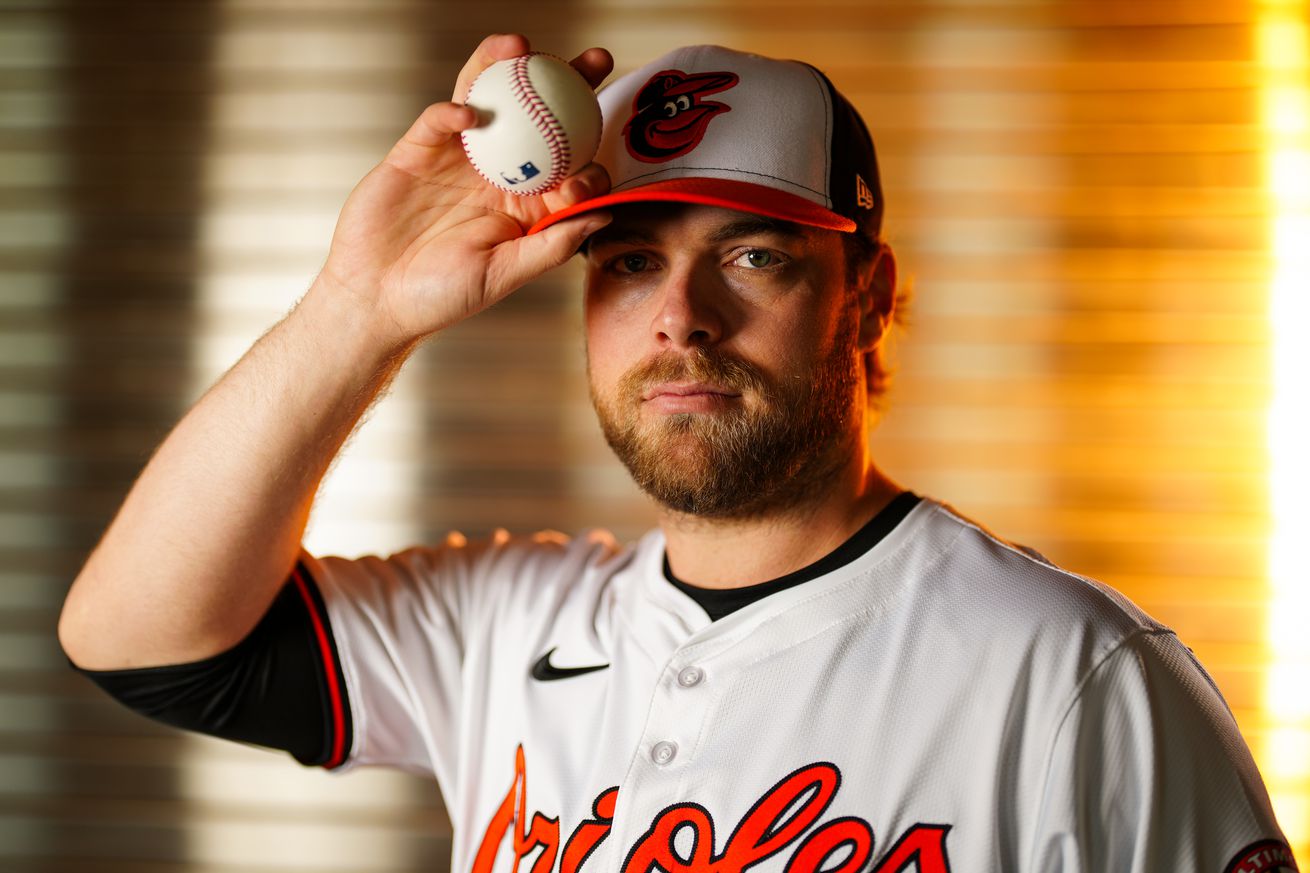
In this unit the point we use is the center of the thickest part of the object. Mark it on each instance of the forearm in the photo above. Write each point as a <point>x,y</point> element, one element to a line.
<point>212,526</point>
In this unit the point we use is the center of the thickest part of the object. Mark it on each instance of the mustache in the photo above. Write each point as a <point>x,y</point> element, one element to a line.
<point>697,365</point>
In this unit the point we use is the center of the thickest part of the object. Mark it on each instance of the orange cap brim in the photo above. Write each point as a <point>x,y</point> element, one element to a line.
<point>723,193</point>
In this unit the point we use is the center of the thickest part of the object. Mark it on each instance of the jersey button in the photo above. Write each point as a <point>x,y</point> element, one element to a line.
<point>689,677</point>
<point>663,752</point>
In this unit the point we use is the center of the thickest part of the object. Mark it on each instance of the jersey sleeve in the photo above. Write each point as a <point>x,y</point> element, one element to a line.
<point>1148,772</point>
<point>434,643</point>
<point>396,624</point>
<point>403,627</point>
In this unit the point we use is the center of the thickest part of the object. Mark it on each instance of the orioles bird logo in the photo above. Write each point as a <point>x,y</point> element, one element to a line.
<point>669,118</point>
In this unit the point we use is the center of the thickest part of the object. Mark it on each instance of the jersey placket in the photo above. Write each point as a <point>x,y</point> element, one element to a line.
<point>665,755</point>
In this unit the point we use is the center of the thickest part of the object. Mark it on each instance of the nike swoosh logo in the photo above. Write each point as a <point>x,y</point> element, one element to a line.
<point>545,671</point>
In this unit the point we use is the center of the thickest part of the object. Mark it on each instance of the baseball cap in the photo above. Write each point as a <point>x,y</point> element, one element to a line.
<point>718,127</point>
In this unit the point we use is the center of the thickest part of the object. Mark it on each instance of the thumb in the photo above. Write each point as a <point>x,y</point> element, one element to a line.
<point>527,257</point>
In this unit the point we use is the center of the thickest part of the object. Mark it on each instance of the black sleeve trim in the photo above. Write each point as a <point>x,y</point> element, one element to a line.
<point>281,687</point>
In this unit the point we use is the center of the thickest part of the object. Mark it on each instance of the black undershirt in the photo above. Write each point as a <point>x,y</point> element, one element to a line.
<point>718,602</point>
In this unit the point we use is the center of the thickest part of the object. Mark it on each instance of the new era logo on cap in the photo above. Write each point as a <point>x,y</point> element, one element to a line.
<point>863,196</point>
<point>710,125</point>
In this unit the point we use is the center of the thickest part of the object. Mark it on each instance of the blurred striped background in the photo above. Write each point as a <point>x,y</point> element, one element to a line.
<point>1103,207</point>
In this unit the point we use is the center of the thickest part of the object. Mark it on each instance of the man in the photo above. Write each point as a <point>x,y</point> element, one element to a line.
<point>804,668</point>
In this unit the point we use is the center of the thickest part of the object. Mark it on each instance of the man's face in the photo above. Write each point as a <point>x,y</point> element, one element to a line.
<point>722,353</point>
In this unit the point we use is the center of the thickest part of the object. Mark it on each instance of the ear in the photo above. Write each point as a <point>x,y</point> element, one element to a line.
<point>877,295</point>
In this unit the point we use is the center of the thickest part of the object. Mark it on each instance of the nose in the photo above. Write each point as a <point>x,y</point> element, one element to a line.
<point>689,313</point>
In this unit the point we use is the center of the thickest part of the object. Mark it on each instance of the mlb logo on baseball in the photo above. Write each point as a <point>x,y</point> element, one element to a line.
<point>526,172</point>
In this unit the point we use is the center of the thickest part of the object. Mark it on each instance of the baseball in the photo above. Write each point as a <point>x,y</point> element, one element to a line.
<point>538,122</point>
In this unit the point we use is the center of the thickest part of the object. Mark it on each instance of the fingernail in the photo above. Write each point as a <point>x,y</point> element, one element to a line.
<point>595,222</point>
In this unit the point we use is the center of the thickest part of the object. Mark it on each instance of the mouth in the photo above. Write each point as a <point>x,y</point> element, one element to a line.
<point>687,389</point>
<point>684,397</point>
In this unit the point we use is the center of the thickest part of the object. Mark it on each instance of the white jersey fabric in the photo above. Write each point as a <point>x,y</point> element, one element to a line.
<point>945,702</point>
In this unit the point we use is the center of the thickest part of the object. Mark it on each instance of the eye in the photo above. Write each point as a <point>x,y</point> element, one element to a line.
<point>633,263</point>
<point>670,109</point>
<point>757,259</point>
<point>684,102</point>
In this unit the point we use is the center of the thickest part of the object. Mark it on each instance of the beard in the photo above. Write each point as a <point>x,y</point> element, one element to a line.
<point>775,446</point>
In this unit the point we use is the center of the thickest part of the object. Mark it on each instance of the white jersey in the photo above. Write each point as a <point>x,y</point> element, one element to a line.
<point>945,702</point>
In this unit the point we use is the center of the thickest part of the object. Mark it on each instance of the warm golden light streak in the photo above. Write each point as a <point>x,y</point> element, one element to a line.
<point>1283,50</point>
<point>270,205</point>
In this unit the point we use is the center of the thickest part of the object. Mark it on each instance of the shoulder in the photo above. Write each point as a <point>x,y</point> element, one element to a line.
<point>1018,581</point>
<point>498,567</point>
<point>1019,615</point>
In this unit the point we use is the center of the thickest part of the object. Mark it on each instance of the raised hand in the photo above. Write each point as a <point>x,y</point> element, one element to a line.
<point>424,242</point>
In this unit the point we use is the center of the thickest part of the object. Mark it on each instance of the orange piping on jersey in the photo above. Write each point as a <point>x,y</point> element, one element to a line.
<point>329,667</point>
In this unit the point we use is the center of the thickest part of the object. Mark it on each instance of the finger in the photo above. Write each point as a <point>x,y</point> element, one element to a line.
<point>438,123</point>
<point>496,47</point>
<point>594,64</point>
<point>591,181</point>
<point>524,259</point>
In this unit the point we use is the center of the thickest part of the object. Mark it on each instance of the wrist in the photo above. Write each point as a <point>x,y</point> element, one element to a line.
<point>352,325</point>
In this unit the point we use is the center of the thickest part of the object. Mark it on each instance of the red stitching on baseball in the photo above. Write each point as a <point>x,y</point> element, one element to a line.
<point>547,124</point>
